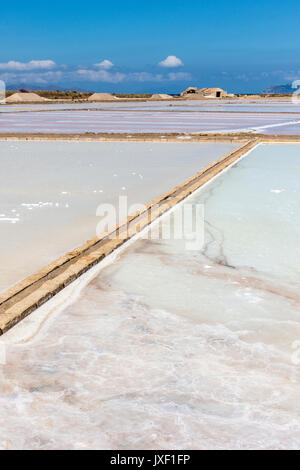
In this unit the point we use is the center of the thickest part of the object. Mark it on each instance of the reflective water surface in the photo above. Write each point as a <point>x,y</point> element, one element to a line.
<point>50,191</point>
<point>168,348</point>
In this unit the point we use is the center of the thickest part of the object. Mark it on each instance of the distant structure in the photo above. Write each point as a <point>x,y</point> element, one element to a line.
<point>102,97</point>
<point>25,97</point>
<point>196,93</point>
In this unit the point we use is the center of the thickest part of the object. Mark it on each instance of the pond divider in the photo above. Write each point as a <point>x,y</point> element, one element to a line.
<point>28,295</point>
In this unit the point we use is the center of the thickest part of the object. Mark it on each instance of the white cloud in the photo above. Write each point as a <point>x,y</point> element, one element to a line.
<point>144,77</point>
<point>158,77</point>
<point>105,64</point>
<point>23,66</point>
<point>100,76</point>
<point>47,72</point>
<point>173,76</point>
<point>171,61</point>
<point>117,77</point>
<point>32,78</point>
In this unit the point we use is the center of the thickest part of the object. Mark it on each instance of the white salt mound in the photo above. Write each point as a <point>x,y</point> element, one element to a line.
<point>102,97</point>
<point>25,98</point>
<point>161,97</point>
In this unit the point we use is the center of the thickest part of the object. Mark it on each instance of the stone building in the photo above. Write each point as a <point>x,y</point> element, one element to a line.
<point>194,92</point>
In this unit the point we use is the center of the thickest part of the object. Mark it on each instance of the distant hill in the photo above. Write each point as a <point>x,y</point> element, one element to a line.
<point>31,87</point>
<point>280,89</point>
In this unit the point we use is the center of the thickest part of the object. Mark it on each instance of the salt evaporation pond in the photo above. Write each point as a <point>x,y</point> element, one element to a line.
<point>174,349</point>
<point>144,121</point>
<point>49,191</point>
<point>280,106</point>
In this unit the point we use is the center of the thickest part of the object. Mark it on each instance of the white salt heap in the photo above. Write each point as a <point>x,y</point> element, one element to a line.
<point>25,97</point>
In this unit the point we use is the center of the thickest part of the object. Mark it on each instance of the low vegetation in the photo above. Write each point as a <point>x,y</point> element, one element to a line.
<point>132,95</point>
<point>55,95</point>
<point>75,95</point>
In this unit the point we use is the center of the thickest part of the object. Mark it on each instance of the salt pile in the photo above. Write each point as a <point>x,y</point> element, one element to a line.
<point>22,97</point>
<point>102,97</point>
<point>161,97</point>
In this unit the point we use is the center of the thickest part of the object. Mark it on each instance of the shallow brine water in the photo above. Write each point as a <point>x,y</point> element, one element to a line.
<point>50,191</point>
<point>201,105</point>
<point>144,121</point>
<point>171,348</point>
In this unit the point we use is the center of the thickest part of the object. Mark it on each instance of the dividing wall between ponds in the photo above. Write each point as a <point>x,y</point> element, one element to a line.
<point>25,297</point>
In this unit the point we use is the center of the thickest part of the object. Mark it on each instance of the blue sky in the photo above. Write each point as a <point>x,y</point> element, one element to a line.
<point>122,46</point>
